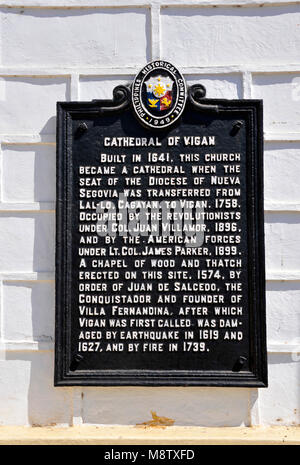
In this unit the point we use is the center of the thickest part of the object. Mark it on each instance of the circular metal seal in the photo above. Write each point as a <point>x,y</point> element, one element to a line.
<point>158,94</point>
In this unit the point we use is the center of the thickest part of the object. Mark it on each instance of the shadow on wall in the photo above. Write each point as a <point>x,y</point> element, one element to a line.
<point>187,406</point>
<point>46,405</point>
<point>32,304</point>
<point>29,173</point>
<point>208,407</point>
<point>28,103</point>
<point>190,406</point>
<point>280,403</point>
<point>29,311</point>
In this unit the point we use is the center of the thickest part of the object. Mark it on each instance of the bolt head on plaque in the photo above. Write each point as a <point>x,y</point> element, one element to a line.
<point>158,94</point>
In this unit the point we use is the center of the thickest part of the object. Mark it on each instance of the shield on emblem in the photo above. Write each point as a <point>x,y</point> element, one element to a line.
<point>159,92</point>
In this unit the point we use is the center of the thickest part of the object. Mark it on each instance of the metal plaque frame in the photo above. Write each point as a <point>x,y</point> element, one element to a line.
<point>65,362</point>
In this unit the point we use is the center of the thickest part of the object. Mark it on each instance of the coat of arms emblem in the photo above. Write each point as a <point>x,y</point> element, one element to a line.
<point>159,92</point>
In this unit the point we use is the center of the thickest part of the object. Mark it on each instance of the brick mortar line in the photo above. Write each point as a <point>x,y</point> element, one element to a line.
<point>255,412</point>
<point>1,174</point>
<point>113,4</point>
<point>224,4</point>
<point>74,90</point>
<point>155,32</point>
<point>77,406</point>
<point>1,315</point>
<point>247,84</point>
<point>54,72</point>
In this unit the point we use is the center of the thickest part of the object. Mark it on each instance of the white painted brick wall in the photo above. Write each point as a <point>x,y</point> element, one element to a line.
<point>77,37</point>
<point>26,241</point>
<point>28,310</point>
<point>281,95</point>
<point>231,36</point>
<point>188,406</point>
<point>100,87</point>
<point>28,173</point>
<point>282,232</point>
<point>282,164</point>
<point>57,50</point>
<point>283,296</point>
<point>34,96</point>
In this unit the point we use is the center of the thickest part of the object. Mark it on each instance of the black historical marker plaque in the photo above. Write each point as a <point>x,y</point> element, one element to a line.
<point>160,274</point>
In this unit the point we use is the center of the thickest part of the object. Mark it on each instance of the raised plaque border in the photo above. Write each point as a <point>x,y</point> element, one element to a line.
<point>253,112</point>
